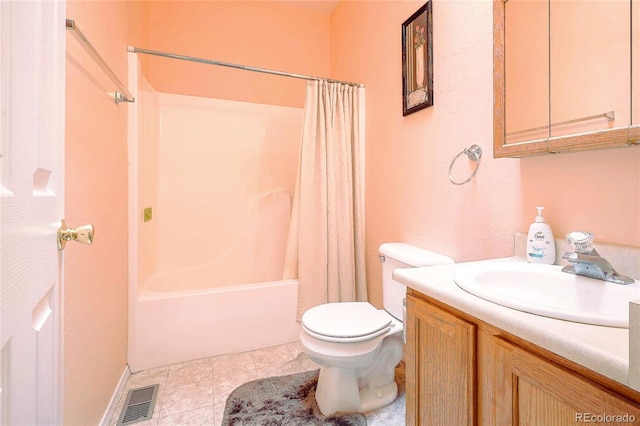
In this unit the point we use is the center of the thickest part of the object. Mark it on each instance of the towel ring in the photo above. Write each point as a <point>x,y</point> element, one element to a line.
<point>474,152</point>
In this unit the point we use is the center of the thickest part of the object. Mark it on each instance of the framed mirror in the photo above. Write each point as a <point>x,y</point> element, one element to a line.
<point>562,75</point>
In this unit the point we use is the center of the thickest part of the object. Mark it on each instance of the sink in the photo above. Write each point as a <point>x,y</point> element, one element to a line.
<point>545,290</point>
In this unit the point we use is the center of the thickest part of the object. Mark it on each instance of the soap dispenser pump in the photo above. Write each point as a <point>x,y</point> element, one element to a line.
<point>541,247</point>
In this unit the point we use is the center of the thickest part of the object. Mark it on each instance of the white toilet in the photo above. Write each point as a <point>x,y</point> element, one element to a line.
<point>358,345</point>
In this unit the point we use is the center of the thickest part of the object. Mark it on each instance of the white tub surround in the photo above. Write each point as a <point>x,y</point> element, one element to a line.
<point>604,350</point>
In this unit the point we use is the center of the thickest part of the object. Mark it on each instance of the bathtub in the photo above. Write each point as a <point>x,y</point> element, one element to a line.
<point>173,327</point>
<point>206,280</point>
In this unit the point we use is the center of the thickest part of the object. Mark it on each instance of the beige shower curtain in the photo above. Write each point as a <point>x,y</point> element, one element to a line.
<point>326,238</point>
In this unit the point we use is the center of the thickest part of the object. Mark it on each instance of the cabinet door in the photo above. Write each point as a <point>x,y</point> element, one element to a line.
<point>590,66</point>
<point>440,366</point>
<point>526,72</point>
<point>531,391</point>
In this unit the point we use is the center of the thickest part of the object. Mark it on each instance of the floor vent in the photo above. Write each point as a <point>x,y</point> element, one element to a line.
<point>139,405</point>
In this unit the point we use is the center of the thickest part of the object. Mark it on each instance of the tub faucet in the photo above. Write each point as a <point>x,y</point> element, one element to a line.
<point>593,265</point>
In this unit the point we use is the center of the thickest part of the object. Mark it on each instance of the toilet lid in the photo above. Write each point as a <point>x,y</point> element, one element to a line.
<point>346,320</point>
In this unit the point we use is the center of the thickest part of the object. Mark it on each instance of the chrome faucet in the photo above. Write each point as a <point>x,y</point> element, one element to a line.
<point>593,265</point>
<point>587,261</point>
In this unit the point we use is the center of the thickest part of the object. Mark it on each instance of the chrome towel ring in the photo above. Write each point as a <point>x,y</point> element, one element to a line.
<point>474,152</point>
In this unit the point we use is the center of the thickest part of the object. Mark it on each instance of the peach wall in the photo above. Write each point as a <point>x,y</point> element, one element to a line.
<point>266,34</point>
<point>408,194</point>
<point>95,312</point>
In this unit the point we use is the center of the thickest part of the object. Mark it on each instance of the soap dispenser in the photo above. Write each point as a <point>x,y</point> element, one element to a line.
<point>541,247</point>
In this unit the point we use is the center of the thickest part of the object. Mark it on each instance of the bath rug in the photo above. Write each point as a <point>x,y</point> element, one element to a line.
<point>282,401</point>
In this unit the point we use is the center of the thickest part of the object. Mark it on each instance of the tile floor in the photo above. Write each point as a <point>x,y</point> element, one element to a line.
<point>194,392</point>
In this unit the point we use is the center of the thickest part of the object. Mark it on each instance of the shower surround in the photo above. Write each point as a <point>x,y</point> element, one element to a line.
<point>206,272</point>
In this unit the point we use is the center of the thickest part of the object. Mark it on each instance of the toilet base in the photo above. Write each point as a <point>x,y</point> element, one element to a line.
<point>371,399</point>
<point>361,390</point>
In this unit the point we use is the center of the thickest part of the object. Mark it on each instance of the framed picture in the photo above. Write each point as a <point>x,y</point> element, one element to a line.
<point>417,61</point>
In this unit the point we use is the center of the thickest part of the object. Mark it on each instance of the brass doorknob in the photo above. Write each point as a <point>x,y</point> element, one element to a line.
<point>82,234</point>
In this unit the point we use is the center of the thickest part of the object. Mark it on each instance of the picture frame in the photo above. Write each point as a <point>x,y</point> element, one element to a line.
<point>417,61</point>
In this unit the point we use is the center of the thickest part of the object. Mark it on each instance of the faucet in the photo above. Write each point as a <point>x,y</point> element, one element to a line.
<point>587,261</point>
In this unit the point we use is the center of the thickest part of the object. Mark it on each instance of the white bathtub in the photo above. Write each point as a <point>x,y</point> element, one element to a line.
<point>173,327</point>
<point>204,274</point>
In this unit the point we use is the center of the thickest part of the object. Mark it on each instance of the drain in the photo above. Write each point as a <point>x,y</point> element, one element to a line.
<point>138,405</point>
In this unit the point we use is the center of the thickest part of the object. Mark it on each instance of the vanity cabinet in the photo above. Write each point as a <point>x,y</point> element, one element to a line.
<point>463,371</point>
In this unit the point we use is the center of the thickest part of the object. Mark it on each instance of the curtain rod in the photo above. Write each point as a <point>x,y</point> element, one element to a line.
<point>230,65</point>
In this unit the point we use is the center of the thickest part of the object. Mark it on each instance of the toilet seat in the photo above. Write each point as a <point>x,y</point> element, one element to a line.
<point>346,322</point>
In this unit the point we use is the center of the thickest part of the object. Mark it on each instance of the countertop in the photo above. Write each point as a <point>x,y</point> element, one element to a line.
<point>604,350</point>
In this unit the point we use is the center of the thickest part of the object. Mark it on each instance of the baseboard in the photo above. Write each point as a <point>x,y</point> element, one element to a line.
<point>108,415</point>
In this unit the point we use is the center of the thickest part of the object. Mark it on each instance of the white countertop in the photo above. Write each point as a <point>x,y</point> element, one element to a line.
<point>604,350</point>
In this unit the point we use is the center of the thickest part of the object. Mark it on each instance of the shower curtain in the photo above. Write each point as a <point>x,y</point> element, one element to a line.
<point>327,232</point>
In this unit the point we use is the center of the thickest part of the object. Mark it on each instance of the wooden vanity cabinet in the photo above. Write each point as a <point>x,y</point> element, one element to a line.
<point>461,371</point>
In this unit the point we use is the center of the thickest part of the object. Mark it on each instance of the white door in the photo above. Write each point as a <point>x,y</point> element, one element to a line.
<point>31,205</point>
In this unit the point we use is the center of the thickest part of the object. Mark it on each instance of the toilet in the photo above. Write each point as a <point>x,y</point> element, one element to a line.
<point>358,345</point>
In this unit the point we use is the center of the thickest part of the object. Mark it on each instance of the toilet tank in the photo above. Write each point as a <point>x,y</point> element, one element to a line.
<point>401,255</point>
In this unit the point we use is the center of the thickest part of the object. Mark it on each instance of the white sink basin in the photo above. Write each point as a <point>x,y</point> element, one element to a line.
<point>545,290</point>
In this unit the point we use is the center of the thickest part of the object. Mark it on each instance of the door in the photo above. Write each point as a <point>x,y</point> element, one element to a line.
<point>31,205</point>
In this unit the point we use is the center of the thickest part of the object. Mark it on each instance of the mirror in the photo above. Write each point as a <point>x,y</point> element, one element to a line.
<point>526,71</point>
<point>590,65</point>
<point>562,75</point>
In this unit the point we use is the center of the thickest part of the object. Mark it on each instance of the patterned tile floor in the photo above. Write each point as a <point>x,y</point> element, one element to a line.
<point>194,392</point>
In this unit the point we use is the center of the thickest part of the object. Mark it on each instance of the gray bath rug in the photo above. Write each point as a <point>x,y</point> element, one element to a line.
<point>282,401</point>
